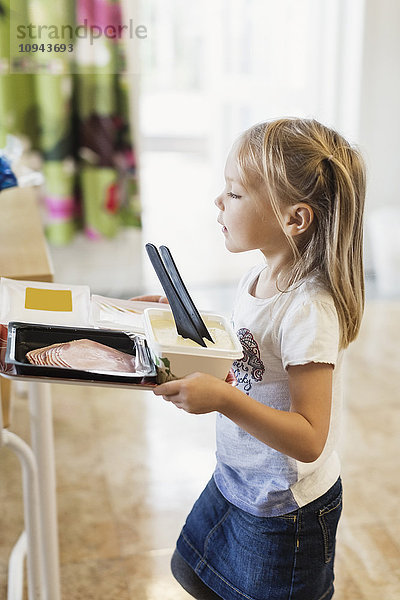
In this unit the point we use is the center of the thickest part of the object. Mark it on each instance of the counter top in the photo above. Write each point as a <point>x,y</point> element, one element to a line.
<point>23,248</point>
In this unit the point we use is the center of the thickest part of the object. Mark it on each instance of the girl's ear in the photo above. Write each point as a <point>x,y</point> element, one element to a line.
<point>298,218</point>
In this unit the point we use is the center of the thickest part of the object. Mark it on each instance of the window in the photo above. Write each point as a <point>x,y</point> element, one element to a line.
<point>212,69</point>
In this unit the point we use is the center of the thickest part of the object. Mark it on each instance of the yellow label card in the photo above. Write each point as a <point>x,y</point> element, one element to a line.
<point>40,299</point>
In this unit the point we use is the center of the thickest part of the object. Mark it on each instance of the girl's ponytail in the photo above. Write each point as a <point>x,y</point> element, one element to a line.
<point>344,242</point>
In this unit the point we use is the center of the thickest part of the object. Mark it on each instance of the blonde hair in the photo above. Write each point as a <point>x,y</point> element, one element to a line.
<point>300,160</point>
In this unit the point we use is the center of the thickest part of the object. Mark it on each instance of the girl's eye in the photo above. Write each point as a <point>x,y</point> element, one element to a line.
<point>234,196</point>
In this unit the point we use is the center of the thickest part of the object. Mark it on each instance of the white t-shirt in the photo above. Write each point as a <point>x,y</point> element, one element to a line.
<point>293,328</point>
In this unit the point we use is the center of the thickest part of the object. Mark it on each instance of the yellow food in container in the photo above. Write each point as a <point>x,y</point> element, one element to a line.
<point>184,356</point>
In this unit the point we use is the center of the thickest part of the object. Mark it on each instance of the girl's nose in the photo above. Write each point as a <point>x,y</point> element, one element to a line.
<point>218,202</point>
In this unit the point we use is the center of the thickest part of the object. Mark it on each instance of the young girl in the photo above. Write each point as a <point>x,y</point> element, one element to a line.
<point>265,525</point>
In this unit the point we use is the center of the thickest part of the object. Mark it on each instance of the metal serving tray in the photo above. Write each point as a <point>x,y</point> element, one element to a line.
<point>23,337</point>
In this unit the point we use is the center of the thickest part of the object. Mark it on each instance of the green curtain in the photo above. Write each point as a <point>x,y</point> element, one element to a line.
<point>74,113</point>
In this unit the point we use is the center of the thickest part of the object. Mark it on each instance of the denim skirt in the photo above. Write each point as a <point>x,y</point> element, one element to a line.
<point>242,556</point>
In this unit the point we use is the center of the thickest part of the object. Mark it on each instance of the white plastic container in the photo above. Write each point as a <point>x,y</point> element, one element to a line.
<point>183,357</point>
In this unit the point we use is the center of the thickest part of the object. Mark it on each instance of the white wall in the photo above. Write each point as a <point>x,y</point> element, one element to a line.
<point>379,131</point>
<point>380,101</point>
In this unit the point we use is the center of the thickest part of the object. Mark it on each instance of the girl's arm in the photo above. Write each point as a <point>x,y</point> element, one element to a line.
<point>300,433</point>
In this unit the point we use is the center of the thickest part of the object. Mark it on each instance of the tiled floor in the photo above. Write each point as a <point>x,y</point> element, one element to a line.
<point>129,467</point>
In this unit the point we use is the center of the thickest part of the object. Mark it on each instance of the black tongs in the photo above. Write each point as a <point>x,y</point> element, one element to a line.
<point>188,321</point>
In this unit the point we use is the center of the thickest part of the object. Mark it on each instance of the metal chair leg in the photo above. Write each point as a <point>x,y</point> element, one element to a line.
<point>31,517</point>
<point>15,583</point>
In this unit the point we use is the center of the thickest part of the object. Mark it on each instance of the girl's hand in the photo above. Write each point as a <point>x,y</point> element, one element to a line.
<point>197,393</point>
<point>155,298</point>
